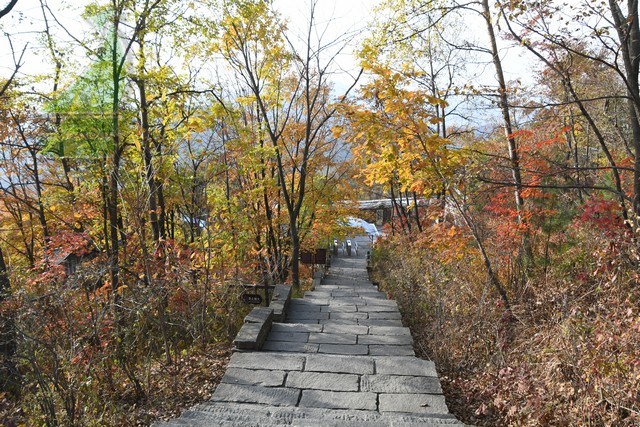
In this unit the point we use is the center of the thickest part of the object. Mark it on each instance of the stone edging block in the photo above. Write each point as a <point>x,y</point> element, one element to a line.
<point>280,302</point>
<point>317,279</point>
<point>255,329</point>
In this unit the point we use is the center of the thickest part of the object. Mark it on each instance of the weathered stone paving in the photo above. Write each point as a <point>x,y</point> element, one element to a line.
<point>342,358</point>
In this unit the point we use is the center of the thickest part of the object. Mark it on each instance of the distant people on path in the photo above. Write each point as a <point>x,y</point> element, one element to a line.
<point>348,247</point>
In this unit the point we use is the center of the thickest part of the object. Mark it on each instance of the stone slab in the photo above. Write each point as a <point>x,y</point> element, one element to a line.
<point>378,308</point>
<point>380,322</point>
<point>280,298</point>
<point>347,316</point>
<point>341,423</point>
<point>270,361</point>
<point>391,350</point>
<point>351,349</point>
<point>255,329</point>
<point>405,366</point>
<point>330,285</point>
<point>325,338</point>
<point>369,292</point>
<point>414,403</point>
<point>392,315</point>
<point>342,322</point>
<point>276,396</point>
<point>339,303</point>
<point>296,327</point>
<point>281,292</point>
<point>345,329</point>
<point>290,347</point>
<point>296,314</point>
<point>352,300</point>
<point>249,336</point>
<point>388,330</point>
<point>323,381</point>
<point>299,305</point>
<point>316,300</point>
<point>337,308</point>
<point>400,384</point>
<point>308,321</point>
<point>242,414</point>
<point>338,400</point>
<point>291,416</point>
<point>374,297</point>
<point>344,293</point>
<point>259,315</point>
<point>385,339</point>
<point>317,294</point>
<point>288,336</point>
<point>344,364</point>
<point>383,302</point>
<point>254,377</point>
<point>198,419</point>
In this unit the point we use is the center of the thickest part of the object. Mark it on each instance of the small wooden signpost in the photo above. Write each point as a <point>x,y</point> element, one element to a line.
<point>313,258</point>
<point>251,298</point>
<point>317,257</point>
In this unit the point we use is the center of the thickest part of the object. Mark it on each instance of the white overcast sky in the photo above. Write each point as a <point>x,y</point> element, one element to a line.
<point>339,17</point>
<point>25,21</point>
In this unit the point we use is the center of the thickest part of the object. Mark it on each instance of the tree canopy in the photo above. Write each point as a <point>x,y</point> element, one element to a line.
<point>164,154</point>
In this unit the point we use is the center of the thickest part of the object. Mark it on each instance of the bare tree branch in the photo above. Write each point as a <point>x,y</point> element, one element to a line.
<point>17,62</point>
<point>8,8</point>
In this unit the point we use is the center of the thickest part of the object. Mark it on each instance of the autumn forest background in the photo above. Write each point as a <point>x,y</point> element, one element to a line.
<point>166,151</point>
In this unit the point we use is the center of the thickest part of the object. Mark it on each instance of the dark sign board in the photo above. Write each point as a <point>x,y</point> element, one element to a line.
<point>251,298</point>
<point>317,257</point>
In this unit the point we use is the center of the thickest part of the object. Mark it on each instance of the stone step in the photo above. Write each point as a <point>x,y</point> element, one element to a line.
<point>218,414</point>
<point>349,333</point>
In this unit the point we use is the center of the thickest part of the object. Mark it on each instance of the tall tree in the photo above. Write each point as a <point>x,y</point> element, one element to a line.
<point>422,18</point>
<point>7,338</point>
<point>588,40</point>
<point>284,81</point>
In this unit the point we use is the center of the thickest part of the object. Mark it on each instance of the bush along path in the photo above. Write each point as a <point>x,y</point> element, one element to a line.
<point>342,358</point>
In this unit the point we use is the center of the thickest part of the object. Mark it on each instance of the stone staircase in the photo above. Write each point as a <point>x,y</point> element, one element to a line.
<point>342,358</point>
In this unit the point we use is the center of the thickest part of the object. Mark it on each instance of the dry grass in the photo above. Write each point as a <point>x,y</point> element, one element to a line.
<point>569,356</point>
<point>172,389</point>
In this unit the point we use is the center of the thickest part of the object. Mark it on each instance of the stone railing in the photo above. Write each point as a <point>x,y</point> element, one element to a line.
<point>257,323</point>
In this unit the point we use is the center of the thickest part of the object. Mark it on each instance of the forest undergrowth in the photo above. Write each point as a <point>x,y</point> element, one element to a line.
<point>568,352</point>
<point>87,356</point>
<point>191,380</point>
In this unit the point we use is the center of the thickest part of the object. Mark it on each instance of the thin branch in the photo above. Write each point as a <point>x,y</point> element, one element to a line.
<point>17,65</point>
<point>8,8</point>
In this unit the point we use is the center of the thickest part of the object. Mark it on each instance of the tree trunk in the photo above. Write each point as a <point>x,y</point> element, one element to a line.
<point>628,30</point>
<point>8,371</point>
<point>114,175</point>
<point>503,101</point>
<point>416,212</point>
<point>148,159</point>
<point>295,256</point>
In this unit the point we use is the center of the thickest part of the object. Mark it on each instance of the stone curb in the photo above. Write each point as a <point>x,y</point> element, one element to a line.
<point>317,279</point>
<point>255,329</point>
<point>280,302</point>
<point>257,324</point>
